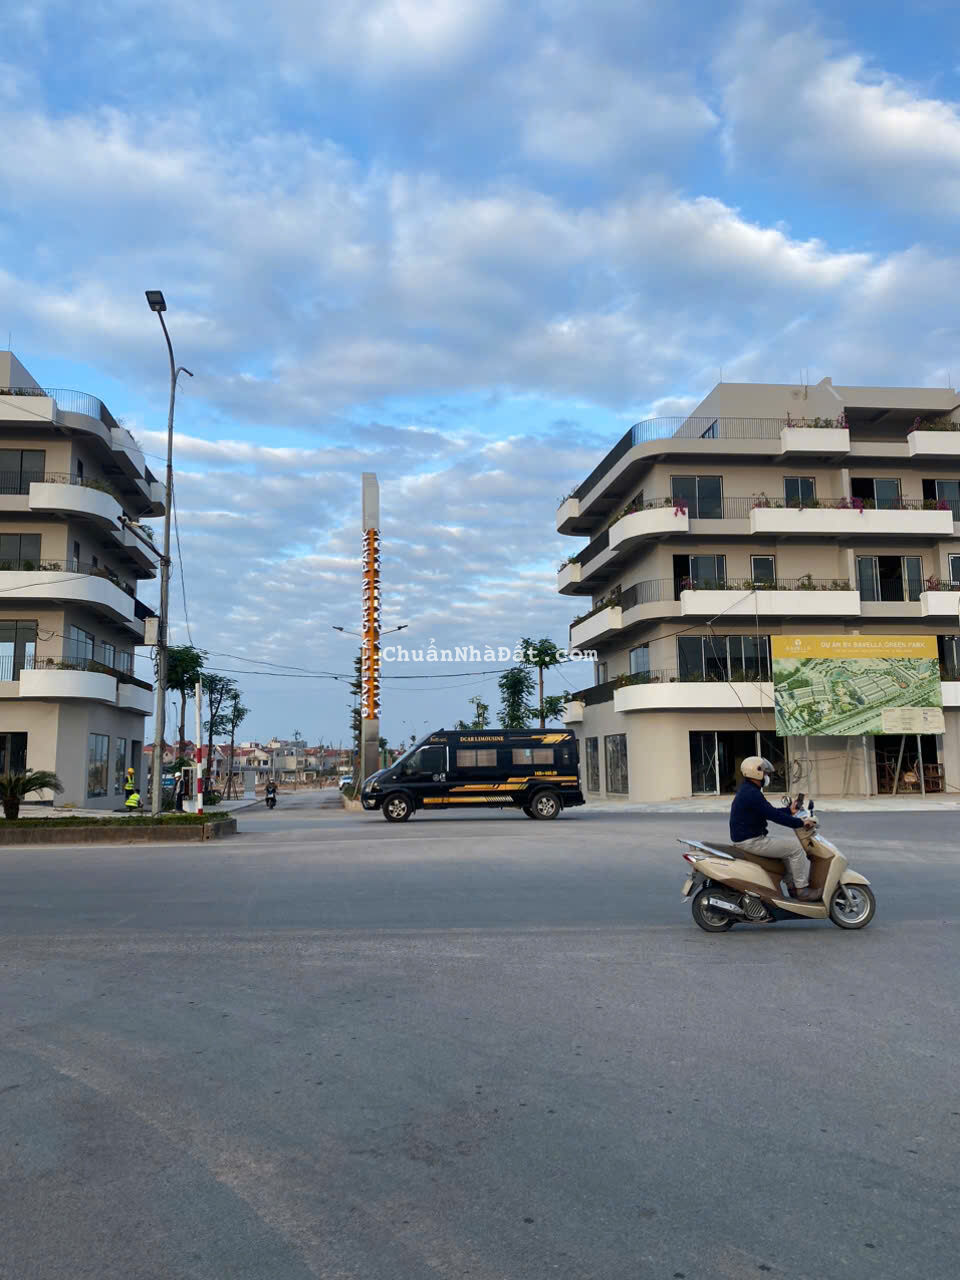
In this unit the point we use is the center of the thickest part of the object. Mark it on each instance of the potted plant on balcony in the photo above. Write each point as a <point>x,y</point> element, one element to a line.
<point>15,787</point>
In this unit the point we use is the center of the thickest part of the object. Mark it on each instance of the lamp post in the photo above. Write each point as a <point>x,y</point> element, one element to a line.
<point>365,724</point>
<point>157,303</point>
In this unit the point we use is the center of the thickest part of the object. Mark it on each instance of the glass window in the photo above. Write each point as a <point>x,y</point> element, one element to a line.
<point>615,758</point>
<point>601,673</point>
<point>868,579</point>
<point>119,765</point>
<point>954,562</point>
<point>19,468</point>
<point>949,647</point>
<point>593,763</point>
<point>533,755</point>
<point>13,753</point>
<point>948,491</point>
<point>108,655</point>
<point>18,648</point>
<point>20,550</point>
<point>708,573</point>
<point>799,490</point>
<point>79,648</point>
<point>428,760</point>
<point>125,661</point>
<point>640,660</point>
<point>690,657</point>
<point>98,756</point>
<point>887,493</point>
<point>470,759</point>
<point>701,495</point>
<point>763,568</point>
<point>913,572</point>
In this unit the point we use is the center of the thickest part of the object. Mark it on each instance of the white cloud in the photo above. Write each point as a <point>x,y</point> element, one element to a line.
<point>816,115</point>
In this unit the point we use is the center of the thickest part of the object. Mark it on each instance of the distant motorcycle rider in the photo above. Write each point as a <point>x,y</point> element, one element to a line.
<point>749,815</point>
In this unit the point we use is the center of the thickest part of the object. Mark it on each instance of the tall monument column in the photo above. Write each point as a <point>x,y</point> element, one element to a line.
<point>370,655</point>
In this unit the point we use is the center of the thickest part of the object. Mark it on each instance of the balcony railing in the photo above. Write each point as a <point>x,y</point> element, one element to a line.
<point>19,482</point>
<point>121,668</point>
<point>68,401</point>
<point>656,590</point>
<point>696,429</point>
<point>599,693</point>
<point>740,508</point>
<point>68,567</point>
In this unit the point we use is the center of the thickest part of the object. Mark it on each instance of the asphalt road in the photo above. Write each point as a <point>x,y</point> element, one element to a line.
<point>471,1045</point>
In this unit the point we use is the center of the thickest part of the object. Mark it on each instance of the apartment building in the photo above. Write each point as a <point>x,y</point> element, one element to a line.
<point>771,510</point>
<point>73,487</point>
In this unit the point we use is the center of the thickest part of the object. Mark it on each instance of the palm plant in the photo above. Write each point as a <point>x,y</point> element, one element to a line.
<point>15,787</point>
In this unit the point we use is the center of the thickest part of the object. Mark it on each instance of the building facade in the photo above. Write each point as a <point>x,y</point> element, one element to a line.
<point>771,510</point>
<point>73,487</point>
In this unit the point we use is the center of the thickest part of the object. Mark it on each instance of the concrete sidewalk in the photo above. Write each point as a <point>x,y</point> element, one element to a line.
<point>828,804</point>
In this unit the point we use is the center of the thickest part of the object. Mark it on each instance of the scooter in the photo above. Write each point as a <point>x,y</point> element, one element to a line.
<point>271,801</point>
<point>729,886</point>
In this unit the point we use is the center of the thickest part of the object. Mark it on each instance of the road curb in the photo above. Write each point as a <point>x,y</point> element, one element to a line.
<point>98,834</point>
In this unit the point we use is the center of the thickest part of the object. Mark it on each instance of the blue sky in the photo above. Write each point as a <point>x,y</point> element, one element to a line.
<point>462,244</point>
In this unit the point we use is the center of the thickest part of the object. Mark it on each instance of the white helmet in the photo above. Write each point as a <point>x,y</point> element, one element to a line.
<point>756,767</point>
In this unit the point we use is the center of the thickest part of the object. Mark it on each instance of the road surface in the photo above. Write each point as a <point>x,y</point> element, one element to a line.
<point>471,1046</point>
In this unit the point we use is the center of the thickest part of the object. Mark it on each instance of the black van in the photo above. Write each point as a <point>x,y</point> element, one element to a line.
<point>536,770</point>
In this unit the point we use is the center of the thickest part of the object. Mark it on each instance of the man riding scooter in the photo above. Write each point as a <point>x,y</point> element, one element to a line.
<point>749,815</point>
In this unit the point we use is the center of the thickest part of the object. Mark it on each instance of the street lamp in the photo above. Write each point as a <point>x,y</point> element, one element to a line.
<point>156,302</point>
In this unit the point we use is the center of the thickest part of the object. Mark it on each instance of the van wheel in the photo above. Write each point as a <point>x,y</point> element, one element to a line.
<point>397,808</point>
<point>545,804</point>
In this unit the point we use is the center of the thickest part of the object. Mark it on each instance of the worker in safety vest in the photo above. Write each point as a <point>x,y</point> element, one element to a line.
<point>133,800</point>
<point>130,784</point>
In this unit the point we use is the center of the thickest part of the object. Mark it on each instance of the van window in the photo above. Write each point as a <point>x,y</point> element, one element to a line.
<point>470,759</point>
<point>426,760</point>
<point>533,755</point>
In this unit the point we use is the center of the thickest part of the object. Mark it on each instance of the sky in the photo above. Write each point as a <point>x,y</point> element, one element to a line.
<point>462,244</point>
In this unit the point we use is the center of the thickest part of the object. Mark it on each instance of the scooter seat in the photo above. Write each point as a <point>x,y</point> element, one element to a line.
<point>773,865</point>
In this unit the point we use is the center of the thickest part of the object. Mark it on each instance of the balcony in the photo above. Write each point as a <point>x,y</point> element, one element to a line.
<point>804,597</point>
<point>573,712</point>
<point>568,513</point>
<point>814,443</point>
<point>844,518</point>
<point>56,685</point>
<point>941,600</point>
<point>598,625</point>
<point>144,557</point>
<point>71,582</point>
<point>934,444</point>
<point>85,680</point>
<point>65,495</point>
<point>672,691</point>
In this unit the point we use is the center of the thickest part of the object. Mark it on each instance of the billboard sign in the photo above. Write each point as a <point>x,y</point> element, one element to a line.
<point>856,684</point>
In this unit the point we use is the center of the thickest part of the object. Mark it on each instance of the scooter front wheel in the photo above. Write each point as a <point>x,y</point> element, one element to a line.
<point>852,906</point>
<point>707,917</point>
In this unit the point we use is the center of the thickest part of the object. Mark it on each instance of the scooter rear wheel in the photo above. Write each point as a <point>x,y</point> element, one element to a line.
<point>709,918</point>
<point>854,911</point>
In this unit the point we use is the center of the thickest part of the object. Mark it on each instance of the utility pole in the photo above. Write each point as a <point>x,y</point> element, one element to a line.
<point>156,302</point>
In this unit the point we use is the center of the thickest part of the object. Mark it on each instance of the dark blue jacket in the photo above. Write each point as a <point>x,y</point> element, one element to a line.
<point>751,810</point>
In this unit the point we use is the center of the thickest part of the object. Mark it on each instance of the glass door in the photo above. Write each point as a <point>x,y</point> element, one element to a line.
<point>703,763</point>
<point>868,577</point>
<point>708,573</point>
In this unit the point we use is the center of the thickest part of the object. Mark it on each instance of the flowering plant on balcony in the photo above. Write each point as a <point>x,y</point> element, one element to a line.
<point>942,423</point>
<point>819,424</point>
<point>761,500</point>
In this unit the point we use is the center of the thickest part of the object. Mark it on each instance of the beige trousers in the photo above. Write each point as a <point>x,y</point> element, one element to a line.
<point>788,850</point>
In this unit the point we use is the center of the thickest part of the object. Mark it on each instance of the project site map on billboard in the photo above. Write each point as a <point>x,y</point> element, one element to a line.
<point>856,684</point>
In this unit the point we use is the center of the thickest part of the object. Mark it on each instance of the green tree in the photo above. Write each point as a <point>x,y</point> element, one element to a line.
<point>236,713</point>
<point>184,669</point>
<point>15,787</point>
<point>516,686</point>
<point>481,712</point>
<point>541,655</point>
<point>219,691</point>
<point>356,718</point>
<point>553,707</point>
